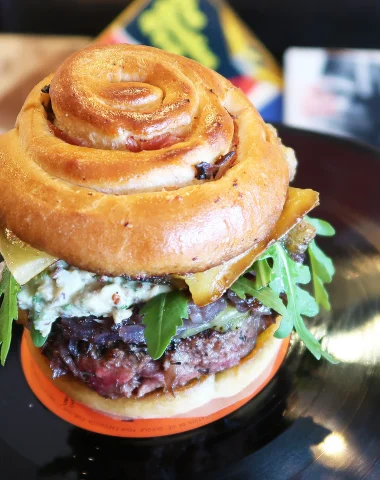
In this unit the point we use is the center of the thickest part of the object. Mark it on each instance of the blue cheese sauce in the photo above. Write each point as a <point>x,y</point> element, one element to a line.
<point>65,291</point>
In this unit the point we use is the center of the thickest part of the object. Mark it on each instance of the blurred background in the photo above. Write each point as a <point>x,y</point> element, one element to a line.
<point>278,23</point>
<point>335,91</point>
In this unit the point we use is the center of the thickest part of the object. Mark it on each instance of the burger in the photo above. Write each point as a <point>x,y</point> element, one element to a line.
<point>152,245</point>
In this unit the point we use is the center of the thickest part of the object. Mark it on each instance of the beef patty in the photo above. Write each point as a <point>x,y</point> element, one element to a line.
<point>114,368</point>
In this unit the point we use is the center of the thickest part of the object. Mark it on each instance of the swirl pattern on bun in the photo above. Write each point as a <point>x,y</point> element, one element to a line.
<point>138,161</point>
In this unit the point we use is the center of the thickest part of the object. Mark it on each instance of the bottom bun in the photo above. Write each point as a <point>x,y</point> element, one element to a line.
<point>162,404</point>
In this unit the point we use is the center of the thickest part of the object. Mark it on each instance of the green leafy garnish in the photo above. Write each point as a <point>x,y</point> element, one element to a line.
<point>322,268</point>
<point>322,227</point>
<point>285,277</point>
<point>243,287</point>
<point>162,315</point>
<point>8,311</point>
<point>262,271</point>
<point>37,337</point>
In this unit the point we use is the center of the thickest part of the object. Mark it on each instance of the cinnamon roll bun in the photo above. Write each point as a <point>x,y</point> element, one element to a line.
<point>140,162</point>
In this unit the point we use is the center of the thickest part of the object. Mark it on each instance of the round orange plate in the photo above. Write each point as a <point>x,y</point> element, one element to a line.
<point>83,417</point>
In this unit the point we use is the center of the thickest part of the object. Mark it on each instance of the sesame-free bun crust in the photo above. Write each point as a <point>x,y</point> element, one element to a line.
<point>124,199</point>
<point>163,405</point>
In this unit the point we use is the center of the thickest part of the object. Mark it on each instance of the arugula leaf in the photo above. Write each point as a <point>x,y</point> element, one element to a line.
<point>321,226</point>
<point>306,303</point>
<point>288,272</point>
<point>322,270</point>
<point>266,296</point>
<point>285,276</point>
<point>262,271</point>
<point>8,311</point>
<point>37,337</point>
<point>162,315</point>
<point>299,301</point>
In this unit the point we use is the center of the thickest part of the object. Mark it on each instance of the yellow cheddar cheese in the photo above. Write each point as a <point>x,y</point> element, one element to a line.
<point>23,261</point>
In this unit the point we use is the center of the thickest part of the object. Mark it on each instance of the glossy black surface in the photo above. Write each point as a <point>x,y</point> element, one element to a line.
<point>313,421</point>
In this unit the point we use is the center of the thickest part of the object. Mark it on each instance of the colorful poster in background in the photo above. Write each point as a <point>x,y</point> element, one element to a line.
<point>211,33</point>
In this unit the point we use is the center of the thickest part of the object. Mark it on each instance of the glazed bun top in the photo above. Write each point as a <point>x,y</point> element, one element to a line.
<point>136,161</point>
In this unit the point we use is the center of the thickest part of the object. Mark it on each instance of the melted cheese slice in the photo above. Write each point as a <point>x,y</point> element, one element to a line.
<point>208,286</point>
<point>23,261</point>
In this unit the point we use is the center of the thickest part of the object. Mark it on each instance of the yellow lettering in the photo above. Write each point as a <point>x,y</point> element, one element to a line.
<point>179,31</point>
